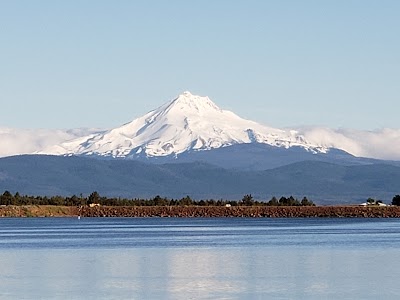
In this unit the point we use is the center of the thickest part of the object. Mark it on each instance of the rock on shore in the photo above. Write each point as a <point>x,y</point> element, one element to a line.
<point>243,211</point>
<point>202,211</point>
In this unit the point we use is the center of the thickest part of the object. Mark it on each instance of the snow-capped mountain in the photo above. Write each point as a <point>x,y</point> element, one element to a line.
<point>187,123</point>
<point>191,124</point>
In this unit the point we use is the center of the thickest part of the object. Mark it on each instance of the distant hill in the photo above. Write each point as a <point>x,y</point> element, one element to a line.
<point>322,182</point>
<point>256,156</point>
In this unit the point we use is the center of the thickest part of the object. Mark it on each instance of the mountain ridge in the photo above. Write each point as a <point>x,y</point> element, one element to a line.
<point>322,182</point>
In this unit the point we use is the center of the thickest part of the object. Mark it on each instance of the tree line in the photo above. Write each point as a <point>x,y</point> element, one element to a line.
<point>9,199</point>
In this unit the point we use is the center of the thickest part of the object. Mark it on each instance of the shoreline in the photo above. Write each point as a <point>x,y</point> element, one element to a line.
<point>202,211</point>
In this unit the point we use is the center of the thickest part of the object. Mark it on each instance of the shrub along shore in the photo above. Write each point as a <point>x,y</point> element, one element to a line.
<point>96,206</point>
<point>202,211</point>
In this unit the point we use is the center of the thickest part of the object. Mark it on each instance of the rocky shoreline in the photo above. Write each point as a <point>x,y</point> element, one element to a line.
<point>203,211</point>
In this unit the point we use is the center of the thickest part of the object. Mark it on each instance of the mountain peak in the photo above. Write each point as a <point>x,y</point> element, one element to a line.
<point>187,103</point>
<point>186,94</point>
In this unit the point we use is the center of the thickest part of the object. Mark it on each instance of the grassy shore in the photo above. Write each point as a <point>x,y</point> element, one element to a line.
<point>201,211</point>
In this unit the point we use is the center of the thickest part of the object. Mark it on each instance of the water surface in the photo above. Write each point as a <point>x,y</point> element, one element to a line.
<point>220,258</point>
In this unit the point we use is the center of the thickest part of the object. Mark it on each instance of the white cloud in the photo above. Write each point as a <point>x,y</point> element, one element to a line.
<point>380,144</point>
<point>26,141</point>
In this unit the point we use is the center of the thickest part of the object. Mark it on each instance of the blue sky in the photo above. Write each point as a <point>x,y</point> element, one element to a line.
<point>67,64</point>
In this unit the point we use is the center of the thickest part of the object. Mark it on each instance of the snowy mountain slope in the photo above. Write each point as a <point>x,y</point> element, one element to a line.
<point>184,124</point>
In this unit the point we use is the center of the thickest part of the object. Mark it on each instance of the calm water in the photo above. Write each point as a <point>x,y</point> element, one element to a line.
<point>161,258</point>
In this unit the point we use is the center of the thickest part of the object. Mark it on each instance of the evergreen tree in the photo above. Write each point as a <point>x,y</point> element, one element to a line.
<point>306,202</point>
<point>273,202</point>
<point>7,198</point>
<point>93,198</point>
<point>396,200</point>
<point>247,200</point>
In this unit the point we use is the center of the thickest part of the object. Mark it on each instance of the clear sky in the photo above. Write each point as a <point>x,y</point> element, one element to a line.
<point>67,64</point>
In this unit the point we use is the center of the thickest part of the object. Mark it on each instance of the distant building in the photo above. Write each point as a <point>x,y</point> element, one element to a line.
<point>94,204</point>
<point>373,203</point>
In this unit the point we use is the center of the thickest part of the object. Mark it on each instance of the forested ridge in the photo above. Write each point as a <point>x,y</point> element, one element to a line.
<point>8,198</point>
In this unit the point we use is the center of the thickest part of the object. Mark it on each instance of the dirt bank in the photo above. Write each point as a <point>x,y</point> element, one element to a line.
<point>199,211</point>
<point>38,211</point>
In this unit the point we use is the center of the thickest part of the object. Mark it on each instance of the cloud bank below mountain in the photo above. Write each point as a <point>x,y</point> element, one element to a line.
<point>15,141</point>
<point>380,144</point>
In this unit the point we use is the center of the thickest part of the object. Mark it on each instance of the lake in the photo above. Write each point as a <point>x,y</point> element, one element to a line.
<point>177,258</point>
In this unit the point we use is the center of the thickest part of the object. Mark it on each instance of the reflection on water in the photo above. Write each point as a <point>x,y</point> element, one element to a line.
<point>256,262</point>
